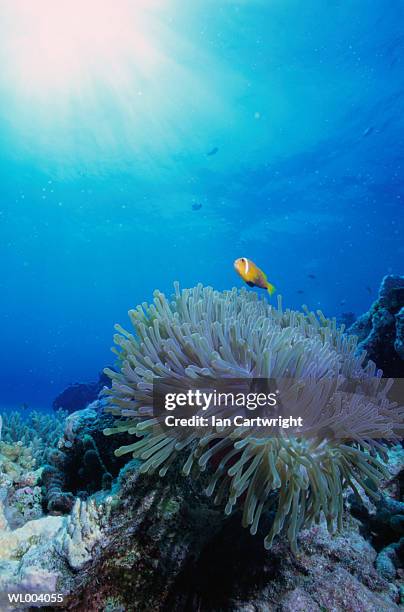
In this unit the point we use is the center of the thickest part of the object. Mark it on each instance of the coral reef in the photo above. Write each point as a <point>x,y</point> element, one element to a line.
<point>163,548</point>
<point>382,522</point>
<point>145,542</point>
<point>346,318</point>
<point>203,334</point>
<point>22,554</point>
<point>391,559</point>
<point>55,499</point>
<point>399,341</point>
<point>20,494</point>
<point>15,459</point>
<point>83,530</point>
<point>24,449</point>
<point>155,544</point>
<point>36,431</point>
<point>23,504</point>
<point>330,573</point>
<point>43,556</point>
<point>79,395</point>
<point>74,425</point>
<point>381,330</point>
<point>82,463</point>
<point>385,520</point>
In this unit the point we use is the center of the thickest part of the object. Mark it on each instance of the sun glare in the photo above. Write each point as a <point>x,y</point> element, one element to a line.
<point>91,81</point>
<point>60,45</point>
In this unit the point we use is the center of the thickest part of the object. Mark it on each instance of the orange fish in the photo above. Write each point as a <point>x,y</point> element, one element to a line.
<point>252,275</point>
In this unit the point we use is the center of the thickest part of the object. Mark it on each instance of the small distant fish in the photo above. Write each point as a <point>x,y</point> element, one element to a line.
<point>300,291</point>
<point>369,290</point>
<point>311,276</point>
<point>369,130</point>
<point>212,151</point>
<point>342,302</point>
<point>252,275</point>
<point>196,206</point>
<point>24,406</point>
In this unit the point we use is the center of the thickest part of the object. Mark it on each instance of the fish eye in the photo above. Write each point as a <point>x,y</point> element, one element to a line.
<point>243,259</point>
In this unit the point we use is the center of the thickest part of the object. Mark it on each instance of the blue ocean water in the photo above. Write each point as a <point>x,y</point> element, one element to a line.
<point>282,119</point>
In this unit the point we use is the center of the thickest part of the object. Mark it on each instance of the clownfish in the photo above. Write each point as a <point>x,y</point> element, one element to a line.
<point>252,275</point>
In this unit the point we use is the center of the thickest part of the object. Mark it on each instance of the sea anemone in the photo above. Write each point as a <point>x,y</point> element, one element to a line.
<point>204,336</point>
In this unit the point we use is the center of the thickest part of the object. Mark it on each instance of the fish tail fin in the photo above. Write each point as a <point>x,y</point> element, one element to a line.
<point>271,289</point>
